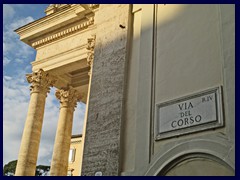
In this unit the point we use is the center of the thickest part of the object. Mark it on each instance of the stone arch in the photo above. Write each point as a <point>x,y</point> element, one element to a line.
<point>211,165</point>
<point>209,150</point>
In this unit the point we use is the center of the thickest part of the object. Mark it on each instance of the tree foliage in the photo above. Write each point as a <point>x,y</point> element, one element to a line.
<point>42,170</point>
<point>9,169</point>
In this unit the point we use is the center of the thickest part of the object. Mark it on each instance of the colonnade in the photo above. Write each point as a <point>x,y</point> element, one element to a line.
<point>68,97</point>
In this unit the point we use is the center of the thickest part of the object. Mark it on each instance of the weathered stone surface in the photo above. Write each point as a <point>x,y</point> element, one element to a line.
<point>102,142</point>
<point>68,99</point>
<point>27,158</point>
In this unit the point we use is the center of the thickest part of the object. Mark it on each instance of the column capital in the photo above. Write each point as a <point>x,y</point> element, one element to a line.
<point>40,81</point>
<point>68,97</point>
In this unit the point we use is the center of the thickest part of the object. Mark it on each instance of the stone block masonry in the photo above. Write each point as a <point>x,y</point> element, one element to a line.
<point>102,140</point>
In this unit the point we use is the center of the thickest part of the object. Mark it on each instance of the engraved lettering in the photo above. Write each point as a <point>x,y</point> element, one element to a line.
<point>181,114</point>
<point>180,122</point>
<point>210,98</point>
<point>181,106</point>
<point>191,120</point>
<point>198,118</point>
<point>203,99</point>
<point>172,124</point>
<point>188,114</point>
<point>185,106</point>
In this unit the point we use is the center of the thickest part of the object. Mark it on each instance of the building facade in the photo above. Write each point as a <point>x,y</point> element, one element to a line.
<point>75,156</point>
<point>158,81</point>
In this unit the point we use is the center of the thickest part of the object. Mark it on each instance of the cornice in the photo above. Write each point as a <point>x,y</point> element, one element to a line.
<point>70,14</point>
<point>48,18</point>
<point>63,33</point>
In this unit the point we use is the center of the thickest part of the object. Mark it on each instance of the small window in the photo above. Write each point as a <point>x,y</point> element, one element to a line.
<point>71,157</point>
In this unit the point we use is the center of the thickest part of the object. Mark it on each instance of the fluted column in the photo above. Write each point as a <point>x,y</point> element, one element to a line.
<point>68,100</point>
<point>27,158</point>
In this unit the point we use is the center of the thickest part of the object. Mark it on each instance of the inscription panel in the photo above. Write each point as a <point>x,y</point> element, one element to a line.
<point>189,114</point>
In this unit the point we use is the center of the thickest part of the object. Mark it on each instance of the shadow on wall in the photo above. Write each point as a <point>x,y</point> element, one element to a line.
<point>122,97</point>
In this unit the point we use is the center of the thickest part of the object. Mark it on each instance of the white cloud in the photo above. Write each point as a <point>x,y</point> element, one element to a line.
<point>12,46</point>
<point>21,22</point>
<point>7,78</point>
<point>4,47</point>
<point>78,118</point>
<point>15,106</point>
<point>5,61</point>
<point>49,129</point>
<point>8,11</point>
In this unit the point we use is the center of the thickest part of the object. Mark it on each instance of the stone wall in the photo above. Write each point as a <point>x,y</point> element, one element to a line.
<point>102,140</point>
<point>178,51</point>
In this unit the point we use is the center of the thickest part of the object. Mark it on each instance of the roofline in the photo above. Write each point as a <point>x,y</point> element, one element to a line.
<point>42,18</point>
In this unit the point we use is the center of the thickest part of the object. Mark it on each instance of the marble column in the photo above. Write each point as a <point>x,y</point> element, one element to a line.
<point>27,158</point>
<point>68,101</point>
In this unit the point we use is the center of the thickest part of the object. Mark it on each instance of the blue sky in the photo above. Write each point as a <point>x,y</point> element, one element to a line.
<point>17,57</point>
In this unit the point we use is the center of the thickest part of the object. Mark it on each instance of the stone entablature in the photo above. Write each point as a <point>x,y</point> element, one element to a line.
<point>63,33</point>
<point>67,15</point>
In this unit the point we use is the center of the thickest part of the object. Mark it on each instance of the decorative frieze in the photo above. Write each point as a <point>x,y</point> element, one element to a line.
<point>64,33</point>
<point>40,82</point>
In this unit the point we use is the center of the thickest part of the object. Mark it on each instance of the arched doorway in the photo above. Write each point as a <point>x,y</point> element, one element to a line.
<point>197,165</point>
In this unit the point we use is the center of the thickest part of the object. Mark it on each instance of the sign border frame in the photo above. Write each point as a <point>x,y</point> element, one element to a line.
<point>219,122</point>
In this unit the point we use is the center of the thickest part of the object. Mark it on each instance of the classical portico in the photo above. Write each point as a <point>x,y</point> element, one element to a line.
<point>64,40</point>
